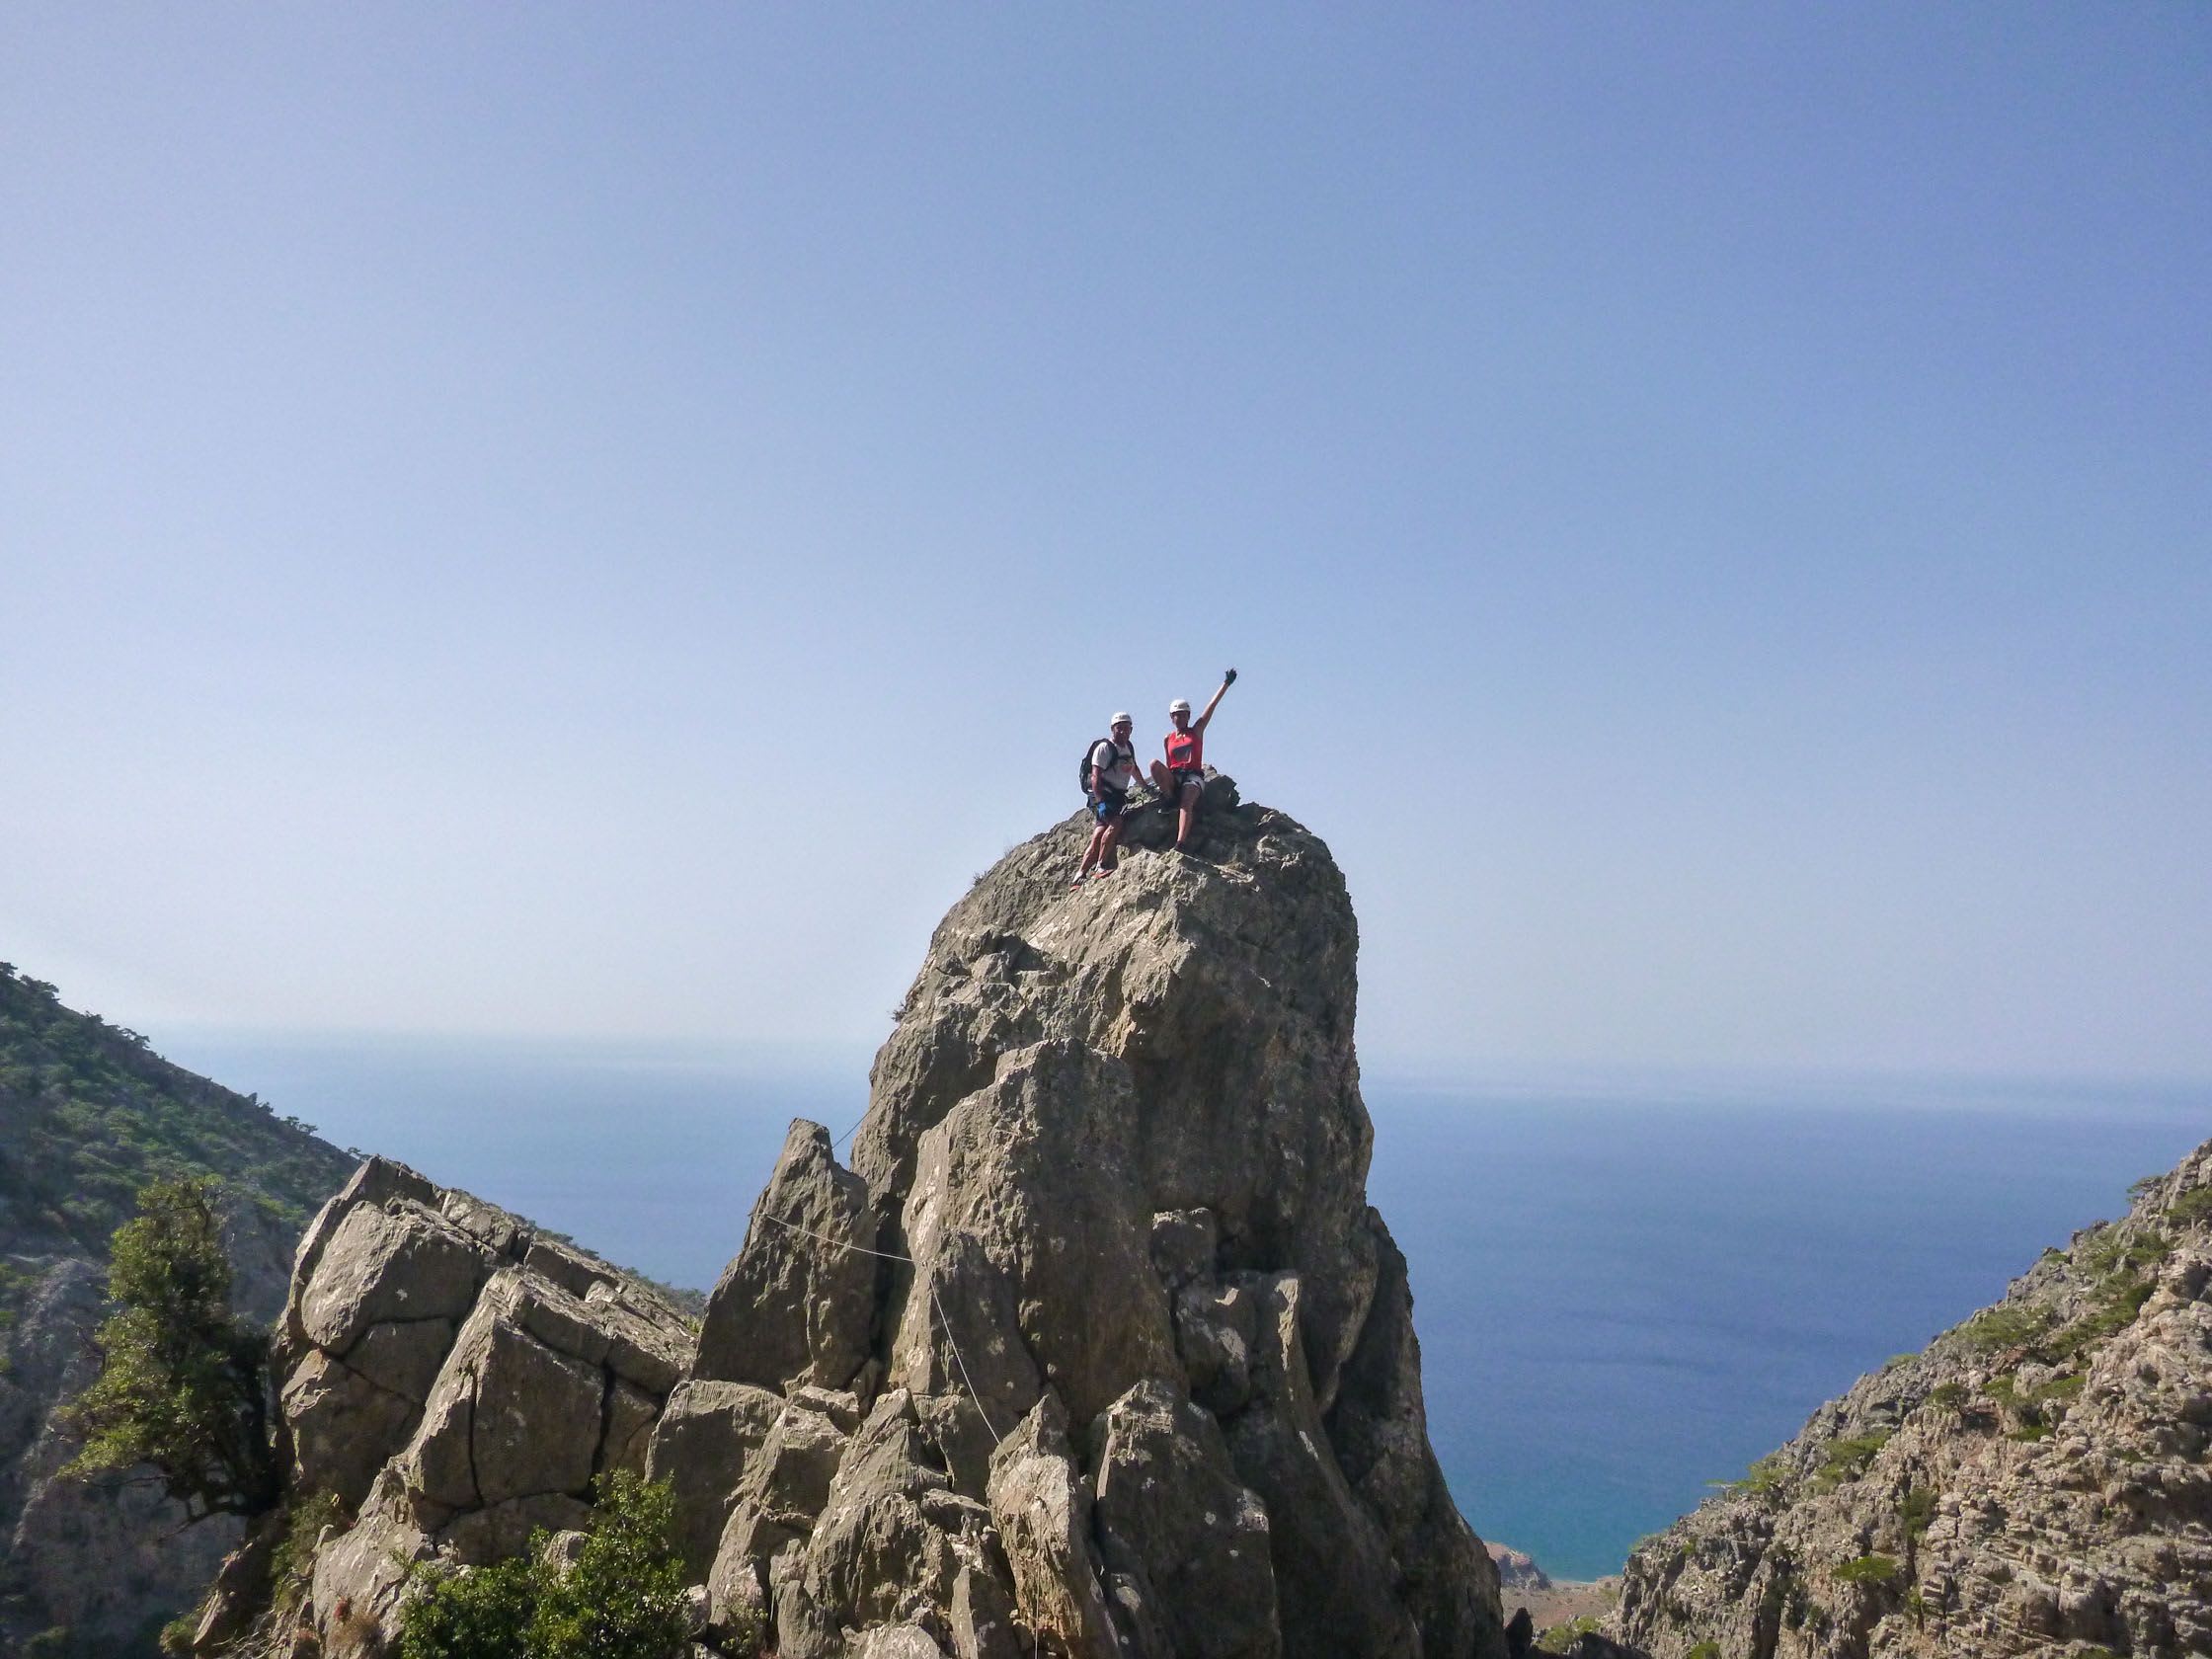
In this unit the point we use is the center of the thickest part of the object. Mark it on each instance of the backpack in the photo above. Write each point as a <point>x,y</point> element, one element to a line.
<point>1083,766</point>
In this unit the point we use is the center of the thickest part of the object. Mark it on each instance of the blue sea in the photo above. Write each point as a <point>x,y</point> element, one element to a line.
<point>1625,1287</point>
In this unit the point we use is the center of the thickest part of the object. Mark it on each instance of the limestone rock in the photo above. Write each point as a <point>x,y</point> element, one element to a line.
<point>1042,1510</point>
<point>457,1381</point>
<point>702,1445</point>
<point>1026,1198</point>
<point>343,1425</point>
<point>797,1303</point>
<point>404,1261</point>
<point>1332,1566</point>
<point>1130,1293</point>
<point>1096,1350</point>
<point>1172,1516</point>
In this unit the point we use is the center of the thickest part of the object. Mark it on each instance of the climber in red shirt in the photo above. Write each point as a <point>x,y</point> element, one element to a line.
<point>1182,777</point>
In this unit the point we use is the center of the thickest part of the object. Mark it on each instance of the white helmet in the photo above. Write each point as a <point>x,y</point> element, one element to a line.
<point>1178,706</point>
<point>1119,719</point>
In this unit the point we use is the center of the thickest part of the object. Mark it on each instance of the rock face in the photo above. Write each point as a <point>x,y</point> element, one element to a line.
<point>2035,1482</point>
<point>1096,1350</point>
<point>455,1380</point>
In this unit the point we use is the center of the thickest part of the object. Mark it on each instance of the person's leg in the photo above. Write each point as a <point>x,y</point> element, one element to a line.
<point>1161,782</point>
<point>1189,810</point>
<point>1107,853</point>
<point>1090,855</point>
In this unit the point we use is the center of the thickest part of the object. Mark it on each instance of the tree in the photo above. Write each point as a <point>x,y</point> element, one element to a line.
<point>182,1381</point>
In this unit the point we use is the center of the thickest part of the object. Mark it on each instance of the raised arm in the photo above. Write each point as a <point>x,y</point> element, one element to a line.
<point>1212,703</point>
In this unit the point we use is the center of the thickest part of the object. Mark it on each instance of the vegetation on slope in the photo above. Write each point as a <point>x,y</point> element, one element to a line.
<point>89,1115</point>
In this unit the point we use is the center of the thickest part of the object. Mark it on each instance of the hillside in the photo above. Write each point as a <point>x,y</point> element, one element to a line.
<point>2034,1481</point>
<point>88,1114</point>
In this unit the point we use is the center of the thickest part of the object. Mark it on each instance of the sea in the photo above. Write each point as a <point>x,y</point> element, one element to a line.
<point>1627,1287</point>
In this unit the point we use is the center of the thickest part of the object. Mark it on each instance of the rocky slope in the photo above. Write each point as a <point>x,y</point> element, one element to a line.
<point>2035,1482</point>
<point>1096,1350</point>
<point>87,1116</point>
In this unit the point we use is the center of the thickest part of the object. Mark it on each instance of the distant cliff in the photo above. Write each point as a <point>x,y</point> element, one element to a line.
<point>88,1114</point>
<point>1096,1349</point>
<point>2036,1481</point>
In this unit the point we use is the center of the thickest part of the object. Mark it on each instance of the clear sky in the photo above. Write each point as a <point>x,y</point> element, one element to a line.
<point>598,520</point>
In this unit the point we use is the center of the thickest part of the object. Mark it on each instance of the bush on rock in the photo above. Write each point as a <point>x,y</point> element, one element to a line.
<point>621,1597</point>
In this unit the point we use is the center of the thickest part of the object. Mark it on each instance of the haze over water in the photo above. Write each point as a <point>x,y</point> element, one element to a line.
<point>1624,1289</point>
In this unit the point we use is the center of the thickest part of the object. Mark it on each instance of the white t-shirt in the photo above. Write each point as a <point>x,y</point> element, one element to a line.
<point>1119,761</point>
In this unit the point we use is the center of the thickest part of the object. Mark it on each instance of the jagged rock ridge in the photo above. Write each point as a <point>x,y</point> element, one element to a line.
<point>1096,1350</point>
<point>454,1380</point>
<point>2035,1482</point>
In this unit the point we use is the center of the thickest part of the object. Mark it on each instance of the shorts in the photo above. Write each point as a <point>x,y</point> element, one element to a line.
<point>1185,777</point>
<point>1107,808</point>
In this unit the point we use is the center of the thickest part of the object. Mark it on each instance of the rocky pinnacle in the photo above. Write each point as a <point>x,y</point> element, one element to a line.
<point>1096,1349</point>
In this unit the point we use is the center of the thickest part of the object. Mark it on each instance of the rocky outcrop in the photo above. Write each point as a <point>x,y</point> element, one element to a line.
<point>454,1380</point>
<point>1096,1350</point>
<point>2035,1482</point>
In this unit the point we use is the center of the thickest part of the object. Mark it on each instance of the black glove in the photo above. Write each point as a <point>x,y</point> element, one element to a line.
<point>1229,679</point>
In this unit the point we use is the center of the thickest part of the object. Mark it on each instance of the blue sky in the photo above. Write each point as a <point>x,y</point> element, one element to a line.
<point>587,522</point>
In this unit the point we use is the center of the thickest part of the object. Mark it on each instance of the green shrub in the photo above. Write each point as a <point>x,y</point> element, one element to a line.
<point>1870,1569</point>
<point>2120,1300</point>
<point>469,1613</point>
<point>1946,1396</point>
<point>176,1635</point>
<point>2007,1326</point>
<point>2193,1208</point>
<point>1766,1475</point>
<point>1916,1509</point>
<point>1705,1650</point>
<point>2107,1251</point>
<point>621,1599</point>
<point>1558,1639</point>
<point>1846,1456</point>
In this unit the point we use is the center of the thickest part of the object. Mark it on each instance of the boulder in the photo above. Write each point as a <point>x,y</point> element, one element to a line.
<point>385,1263</point>
<point>1041,1508</point>
<point>798,1303</point>
<point>343,1425</point>
<point>1337,1593</point>
<point>701,1446</point>
<point>1173,1521</point>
